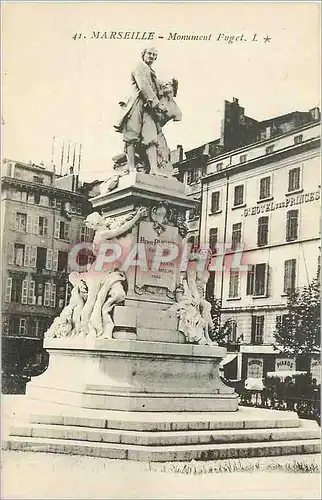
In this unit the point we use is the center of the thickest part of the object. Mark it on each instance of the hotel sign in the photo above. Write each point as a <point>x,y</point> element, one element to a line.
<point>291,201</point>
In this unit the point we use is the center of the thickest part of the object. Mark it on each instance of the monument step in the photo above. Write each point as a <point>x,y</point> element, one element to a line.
<point>164,438</point>
<point>163,453</point>
<point>252,418</point>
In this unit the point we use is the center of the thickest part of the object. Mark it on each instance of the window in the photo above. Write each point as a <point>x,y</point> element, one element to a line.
<point>292,225</point>
<point>233,332</point>
<point>289,275</point>
<point>79,208</point>
<point>281,320</point>
<point>262,231</point>
<point>215,199</point>
<point>257,330</point>
<point>51,259</point>
<point>191,214</point>
<point>265,188</point>
<point>38,179</point>
<point>269,150</point>
<point>294,179</point>
<point>73,208</point>
<point>40,258</point>
<point>53,202</point>
<point>193,175</point>
<point>238,195</point>
<point>31,293</point>
<point>13,289</point>
<point>242,158</point>
<point>234,283</point>
<point>62,230</point>
<point>260,279</point>
<point>62,261</point>
<point>210,286</point>
<point>213,239</point>
<point>43,226</point>
<point>298,139</point>
<point>24,292</point>
<point>236,235</point>
<point>219,166</point>
<point>18,255</point>
<point>23,326</point>
<point>21,222</point>
<point>31,198</point>
<point>47,291</point>
<point>44,200</point>
<point>257,280</point>
<point>8,290</point>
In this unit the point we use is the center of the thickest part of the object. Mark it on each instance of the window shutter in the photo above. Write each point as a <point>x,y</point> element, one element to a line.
<point>82,233</point>
<point>49,259</point>
<point>45,226</point>
<point>253,332</point>
<point>53,295</point>
<point>22,326</point>
<point>33,257</point>
<point>29,224</point>
<point>47,294</point>
<point>267,280</point>
<point>26,260</point>
<point>11,252</point>
<point>35,224</point>
<point>55,260</point>
<point>8,290</point>
<point>31,293</point>
<point>250,280</point>
<point>57,228</point>
<point>24,292</point>
<point>67,231</point>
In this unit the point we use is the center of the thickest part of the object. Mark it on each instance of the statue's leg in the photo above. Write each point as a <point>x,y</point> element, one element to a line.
<point>130,151</point>
<point>152,157</point>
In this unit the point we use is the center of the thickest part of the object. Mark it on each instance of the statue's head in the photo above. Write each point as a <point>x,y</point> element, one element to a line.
<point>170,87</point>
<point>149,55</point>
<point>93,220</point>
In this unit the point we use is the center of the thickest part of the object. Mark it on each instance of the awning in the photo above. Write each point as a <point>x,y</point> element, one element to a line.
<point>228,359</point>
<point>284,373</point>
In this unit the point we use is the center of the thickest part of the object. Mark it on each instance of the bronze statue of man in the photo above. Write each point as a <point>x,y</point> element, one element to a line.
<point>144,113</point>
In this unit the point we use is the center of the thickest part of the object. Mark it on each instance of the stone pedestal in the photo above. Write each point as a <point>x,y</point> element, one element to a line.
<point>148,365</point>
<point>134,376</point>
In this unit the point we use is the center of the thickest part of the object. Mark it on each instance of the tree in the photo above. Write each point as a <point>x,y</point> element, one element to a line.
<point>222,334</point>
<point>298,334</point>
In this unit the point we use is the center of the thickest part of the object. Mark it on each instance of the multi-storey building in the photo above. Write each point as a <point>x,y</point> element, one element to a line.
<point>42,217</point>
<point>259,188</point>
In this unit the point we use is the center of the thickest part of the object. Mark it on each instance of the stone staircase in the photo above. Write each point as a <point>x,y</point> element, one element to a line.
<point>160,437</point>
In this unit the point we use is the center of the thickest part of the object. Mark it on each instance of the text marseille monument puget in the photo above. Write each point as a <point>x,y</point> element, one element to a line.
<point>132,371</point>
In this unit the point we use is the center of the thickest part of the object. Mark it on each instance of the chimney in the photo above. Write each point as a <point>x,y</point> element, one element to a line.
<point>235,100</point>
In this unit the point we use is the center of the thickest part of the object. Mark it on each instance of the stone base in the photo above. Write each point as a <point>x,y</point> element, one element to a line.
<point>134,376</point>
<point>159,437</point>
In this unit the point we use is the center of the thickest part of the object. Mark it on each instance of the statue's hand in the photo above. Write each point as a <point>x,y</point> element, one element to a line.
<point>142,212</point>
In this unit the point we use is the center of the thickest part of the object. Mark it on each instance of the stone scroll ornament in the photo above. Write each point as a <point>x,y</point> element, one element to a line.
<point>95,294</point>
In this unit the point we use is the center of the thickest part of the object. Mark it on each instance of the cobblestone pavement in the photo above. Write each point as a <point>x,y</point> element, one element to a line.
<point>27,475</point>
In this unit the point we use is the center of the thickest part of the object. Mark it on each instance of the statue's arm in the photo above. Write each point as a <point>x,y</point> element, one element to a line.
<point>118,231</point>
<point>142,77</point>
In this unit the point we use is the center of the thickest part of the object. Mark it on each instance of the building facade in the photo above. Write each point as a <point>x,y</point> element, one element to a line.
<point>42,218</point>
<point>260,215</point>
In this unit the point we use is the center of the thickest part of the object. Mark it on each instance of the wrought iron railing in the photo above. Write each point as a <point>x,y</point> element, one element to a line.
<point>307,408</point>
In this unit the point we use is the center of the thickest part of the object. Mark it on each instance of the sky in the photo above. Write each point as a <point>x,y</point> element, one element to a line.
<point>55,86</point>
